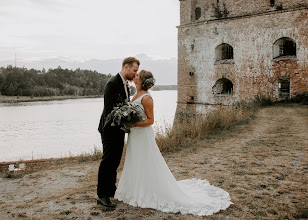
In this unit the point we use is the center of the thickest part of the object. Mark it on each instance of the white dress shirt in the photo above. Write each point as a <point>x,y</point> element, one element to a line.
<point>125,87</point>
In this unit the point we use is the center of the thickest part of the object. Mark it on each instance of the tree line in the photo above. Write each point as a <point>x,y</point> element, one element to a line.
<point>15,81</point>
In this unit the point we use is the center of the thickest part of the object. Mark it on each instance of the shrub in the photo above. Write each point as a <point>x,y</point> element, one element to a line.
<point>300,98</point>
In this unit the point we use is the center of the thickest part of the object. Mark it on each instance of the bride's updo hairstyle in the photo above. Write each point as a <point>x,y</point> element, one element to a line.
<point>147,80</point>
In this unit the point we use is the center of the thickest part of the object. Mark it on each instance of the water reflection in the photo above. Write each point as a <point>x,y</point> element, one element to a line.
<point>60,128</point>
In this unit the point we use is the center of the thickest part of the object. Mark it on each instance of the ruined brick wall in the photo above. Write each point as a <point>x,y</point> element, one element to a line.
<point>297,73</point>
<point>243,7</point>
<point>253,69</point>
<point>235,8</point>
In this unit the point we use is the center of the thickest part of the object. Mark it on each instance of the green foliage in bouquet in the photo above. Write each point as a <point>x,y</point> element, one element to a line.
<point>125,115</point>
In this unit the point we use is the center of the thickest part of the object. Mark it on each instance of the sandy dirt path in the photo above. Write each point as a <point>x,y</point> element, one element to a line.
<point>262,164</point>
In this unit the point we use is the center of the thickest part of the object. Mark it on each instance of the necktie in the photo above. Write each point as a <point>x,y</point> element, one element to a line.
<point>126,90</point>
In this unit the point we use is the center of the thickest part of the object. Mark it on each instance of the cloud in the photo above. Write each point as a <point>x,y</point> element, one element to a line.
<point>89,29</point>
<point>50,3</point>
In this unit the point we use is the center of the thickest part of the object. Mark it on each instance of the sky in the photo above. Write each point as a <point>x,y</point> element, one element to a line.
<point>83,30</point>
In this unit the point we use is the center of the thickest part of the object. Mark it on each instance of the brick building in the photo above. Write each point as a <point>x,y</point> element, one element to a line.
<point>231,50</point>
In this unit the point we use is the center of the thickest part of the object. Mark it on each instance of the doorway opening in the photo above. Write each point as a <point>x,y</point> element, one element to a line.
<point>284,87</point>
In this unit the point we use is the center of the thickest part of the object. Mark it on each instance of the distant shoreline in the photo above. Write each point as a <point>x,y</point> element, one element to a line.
<point>17,99</point>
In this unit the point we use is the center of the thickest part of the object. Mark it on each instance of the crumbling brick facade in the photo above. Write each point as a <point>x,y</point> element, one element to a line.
<point>236,50</point>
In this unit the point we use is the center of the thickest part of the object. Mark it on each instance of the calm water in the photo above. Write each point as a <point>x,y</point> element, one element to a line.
<point>62,128</point>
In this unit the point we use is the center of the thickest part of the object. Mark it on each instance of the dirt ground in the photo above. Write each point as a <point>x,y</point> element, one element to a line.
<point>262,164</point>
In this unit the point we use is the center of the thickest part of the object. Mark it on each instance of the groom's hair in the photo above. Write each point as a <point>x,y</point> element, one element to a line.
<point>130,61</point>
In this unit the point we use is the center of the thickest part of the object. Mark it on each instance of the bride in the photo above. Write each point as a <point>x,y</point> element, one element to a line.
<point>146,180</point>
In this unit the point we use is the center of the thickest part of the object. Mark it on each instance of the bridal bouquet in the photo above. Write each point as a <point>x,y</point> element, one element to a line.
<point>125,115</point>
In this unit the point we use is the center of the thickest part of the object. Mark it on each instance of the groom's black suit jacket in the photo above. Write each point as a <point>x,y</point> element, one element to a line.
<point>114,94</point>
<point>112,139</point>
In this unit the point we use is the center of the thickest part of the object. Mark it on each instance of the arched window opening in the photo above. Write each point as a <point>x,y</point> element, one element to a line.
<point>284,47</point>
<point>223,87</point>
<point>272,2</point>
<point>224,52</point>
<point>198,13</point>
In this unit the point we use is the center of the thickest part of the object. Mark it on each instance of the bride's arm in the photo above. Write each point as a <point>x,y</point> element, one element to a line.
<point>147,103</point>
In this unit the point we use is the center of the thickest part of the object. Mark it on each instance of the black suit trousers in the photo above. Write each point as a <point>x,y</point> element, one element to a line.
<point>113,143</point>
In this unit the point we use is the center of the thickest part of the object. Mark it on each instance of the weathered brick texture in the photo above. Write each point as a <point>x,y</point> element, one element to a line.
<point>251,28</point>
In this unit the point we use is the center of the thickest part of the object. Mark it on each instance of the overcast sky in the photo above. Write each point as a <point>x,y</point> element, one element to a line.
<point>83,30</point>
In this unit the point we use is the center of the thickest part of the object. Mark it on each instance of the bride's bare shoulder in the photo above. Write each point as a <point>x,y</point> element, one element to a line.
<point>147,99</point>
<point>148,96</point>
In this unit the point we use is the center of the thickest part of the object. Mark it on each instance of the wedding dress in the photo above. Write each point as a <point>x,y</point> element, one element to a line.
<point>147,182</point>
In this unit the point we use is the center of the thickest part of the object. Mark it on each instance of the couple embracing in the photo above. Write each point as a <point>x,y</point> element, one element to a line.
<point>146,180</point>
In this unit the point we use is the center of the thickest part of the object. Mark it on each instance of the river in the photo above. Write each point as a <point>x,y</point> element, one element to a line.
<point>52,129</point>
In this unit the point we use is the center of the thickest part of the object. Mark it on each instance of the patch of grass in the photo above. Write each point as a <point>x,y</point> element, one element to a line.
<point>200,127</point>
<point>66,212</point>
<point>300,98</point>
<point>34,165</point>
<point>261,101</point>
<point>95,154</point>
<point>302,214</point>
<point>14,175</point>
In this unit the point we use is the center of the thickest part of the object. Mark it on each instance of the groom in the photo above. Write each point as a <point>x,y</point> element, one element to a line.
<point>116,91</point>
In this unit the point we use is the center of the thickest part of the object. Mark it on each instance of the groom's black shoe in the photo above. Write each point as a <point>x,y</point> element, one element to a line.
<point>105,201</point>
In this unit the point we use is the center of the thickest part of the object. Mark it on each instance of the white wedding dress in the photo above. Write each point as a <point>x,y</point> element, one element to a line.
<point>147,182</point>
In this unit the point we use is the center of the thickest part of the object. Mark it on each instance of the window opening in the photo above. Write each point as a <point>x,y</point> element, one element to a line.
<point>284,47</point>
<point>224,52</point>
<point>223,87</point>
